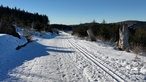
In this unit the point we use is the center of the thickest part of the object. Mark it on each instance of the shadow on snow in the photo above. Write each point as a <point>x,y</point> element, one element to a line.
<point>29,52</point>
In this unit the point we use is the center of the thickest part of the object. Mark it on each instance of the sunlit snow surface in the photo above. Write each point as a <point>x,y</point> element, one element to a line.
<point>65,58</point>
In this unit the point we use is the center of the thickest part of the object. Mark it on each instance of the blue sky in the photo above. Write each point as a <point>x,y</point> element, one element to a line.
<point>81,11</point>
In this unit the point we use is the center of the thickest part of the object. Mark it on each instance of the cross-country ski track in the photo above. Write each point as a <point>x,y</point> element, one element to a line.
<point>65,58</point>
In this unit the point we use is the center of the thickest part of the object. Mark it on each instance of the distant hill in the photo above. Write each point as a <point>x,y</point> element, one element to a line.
<point>133,23</point>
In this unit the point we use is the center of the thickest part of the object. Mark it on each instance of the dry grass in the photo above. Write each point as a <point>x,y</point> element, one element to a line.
<point>138,49</point>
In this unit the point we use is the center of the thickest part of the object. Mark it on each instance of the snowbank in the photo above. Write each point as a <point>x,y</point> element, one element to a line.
<point>9,42</point>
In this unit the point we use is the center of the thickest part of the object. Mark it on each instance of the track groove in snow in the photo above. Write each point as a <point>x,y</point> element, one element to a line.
<point>95,61</point>
<point>105,63</point>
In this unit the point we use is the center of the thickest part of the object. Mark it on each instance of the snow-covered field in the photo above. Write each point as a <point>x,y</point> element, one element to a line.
<point>65,58</point>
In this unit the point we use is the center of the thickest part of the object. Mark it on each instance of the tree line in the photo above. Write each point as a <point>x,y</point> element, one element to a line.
<point>23,18</point>
<point>110,32</point>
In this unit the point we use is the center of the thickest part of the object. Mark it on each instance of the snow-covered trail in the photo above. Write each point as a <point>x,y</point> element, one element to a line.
<point>64,58</point>
<point>46,60</point>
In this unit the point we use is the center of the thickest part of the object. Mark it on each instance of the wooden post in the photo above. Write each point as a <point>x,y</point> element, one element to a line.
<point>123,38</point>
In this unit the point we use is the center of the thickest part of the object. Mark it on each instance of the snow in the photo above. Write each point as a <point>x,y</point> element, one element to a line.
<point>65,58</point>
<point>8,42</point>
